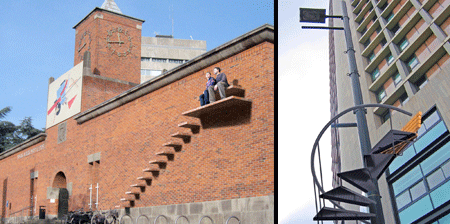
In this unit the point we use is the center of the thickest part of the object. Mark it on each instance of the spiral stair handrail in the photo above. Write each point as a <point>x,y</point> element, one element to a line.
<point>316,143</point>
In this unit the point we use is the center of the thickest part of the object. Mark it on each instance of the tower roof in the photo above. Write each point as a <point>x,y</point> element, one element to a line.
<point>110,5</point>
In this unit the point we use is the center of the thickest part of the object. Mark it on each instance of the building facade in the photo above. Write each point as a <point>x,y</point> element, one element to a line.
<point>148,149</point>
<point>402,52</point>
<point>163,52</point>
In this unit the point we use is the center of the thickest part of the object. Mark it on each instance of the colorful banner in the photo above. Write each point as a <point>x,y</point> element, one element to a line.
<point>64,96</point>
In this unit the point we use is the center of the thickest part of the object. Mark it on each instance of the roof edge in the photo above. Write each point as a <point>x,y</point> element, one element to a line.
<point>261,34</point>
<point>24,145</point>
<point>100,9</point>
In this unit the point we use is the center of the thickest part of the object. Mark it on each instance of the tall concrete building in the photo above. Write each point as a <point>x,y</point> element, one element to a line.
<point>402,53</point>
<point>163,52</point>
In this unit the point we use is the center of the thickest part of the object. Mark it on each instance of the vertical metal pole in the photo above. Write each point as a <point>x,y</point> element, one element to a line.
<point>361,121</point>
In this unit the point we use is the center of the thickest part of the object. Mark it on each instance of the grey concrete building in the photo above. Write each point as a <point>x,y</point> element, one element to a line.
<point>163,53</point>
<point>402,51</point>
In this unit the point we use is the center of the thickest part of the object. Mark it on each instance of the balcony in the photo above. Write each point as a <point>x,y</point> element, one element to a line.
<point>378,59</point>
<point>366,23</point>
<point>360,6</point>
<point>371,34</point>
<point>389,7</point>
<point>399,15</point>
<point>364,13</point>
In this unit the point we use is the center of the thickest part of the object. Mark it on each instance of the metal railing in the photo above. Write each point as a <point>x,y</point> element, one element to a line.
<point>318,186</point>
<point>13,218</point>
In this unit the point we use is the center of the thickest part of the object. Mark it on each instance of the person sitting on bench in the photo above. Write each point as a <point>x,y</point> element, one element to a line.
<point>204,98</point>
<point>222,84</point>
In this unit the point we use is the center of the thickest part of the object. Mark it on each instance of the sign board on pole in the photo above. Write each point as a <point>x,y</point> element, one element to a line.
<point>312,15</point>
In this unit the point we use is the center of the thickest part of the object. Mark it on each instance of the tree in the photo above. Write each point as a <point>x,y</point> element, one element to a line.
<point>11,135</point>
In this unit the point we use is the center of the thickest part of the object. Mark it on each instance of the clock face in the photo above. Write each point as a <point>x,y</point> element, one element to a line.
<point>118,41</point>
<point>84,44</point>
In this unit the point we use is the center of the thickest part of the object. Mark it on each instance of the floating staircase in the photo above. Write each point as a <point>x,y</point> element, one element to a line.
<point>162,158</point>
<point>381,156</point>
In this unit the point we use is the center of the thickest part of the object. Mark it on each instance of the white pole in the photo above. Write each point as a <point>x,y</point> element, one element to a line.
<point>90,197</point>
<point>96,203</point>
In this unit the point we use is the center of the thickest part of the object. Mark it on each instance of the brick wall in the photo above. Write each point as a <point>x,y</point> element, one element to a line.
<point>103,61</point>
<point>96,90</point>
<point>226,162</point>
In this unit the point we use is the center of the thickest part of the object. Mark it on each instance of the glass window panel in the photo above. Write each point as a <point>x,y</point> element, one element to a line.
<point>381,94</point>
<point>403,199</point>
<point>418,190</point>
<point>390,59</point>
<point>404,44</point>
<point>416,210</point>
<point>397,78</point>
<point>425,81</point>
<point>445,219</point>
<point>430,136</point>
<point>436,159</point>
<point>421,130</point>
<point>435,178</point>
<point>407,180</point>
<point>446,169</point>
<point>400,160</point>
<point>441,194</point>
<point>390,16</point>
<point>375,74</point>
<point>413,63</point>
<point>371,57</point>
<point>432,119</point>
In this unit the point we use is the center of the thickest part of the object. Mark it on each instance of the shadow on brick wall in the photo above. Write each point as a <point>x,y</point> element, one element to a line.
<point>231,116</point>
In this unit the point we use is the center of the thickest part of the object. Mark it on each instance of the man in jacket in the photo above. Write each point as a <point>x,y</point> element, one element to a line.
<point>222,84</point>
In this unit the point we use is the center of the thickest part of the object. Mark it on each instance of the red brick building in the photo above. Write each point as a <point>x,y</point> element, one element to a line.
<point>150,148</point>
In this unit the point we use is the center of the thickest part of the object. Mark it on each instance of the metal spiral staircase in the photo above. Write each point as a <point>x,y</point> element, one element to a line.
<point>382,154</point>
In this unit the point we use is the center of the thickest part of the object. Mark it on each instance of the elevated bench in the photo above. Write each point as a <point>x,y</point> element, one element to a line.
<point>218,105</point>
<point>232,90</point>
<point>400,139</point>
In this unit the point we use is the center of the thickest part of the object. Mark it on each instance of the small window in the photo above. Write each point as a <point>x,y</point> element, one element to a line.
<point>397,79</point>
<point>364,30</point>
<point>431,120</point>
<point>418,190</point>
<point>389,59</point>
<point>375,74</point>
<point>421,82</point>
<point>384,6</point>
<point>383,42</point>
<point>385,116</point>
<point>403,44</point>
<point>177,61</point>
<point>395,28</point>
<point>446,169</point>
<point>381,94</point>
<point>403,199</point>
<point>435,178</point>
<point>390,16</point>
<point>378,29</point>
<point>366,43</point>
<point>371,57</point>
<point>412,62</point>
<point>160,60</point>
<point>404,98</point>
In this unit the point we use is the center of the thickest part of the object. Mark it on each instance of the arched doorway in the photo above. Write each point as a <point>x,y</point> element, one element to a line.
<point>63,198</point>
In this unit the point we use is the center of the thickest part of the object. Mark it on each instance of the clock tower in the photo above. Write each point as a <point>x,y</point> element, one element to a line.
<point>114,42</point>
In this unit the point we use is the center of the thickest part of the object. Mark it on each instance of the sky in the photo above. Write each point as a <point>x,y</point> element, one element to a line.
<point>303,110</point>
<point>37,39</point>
